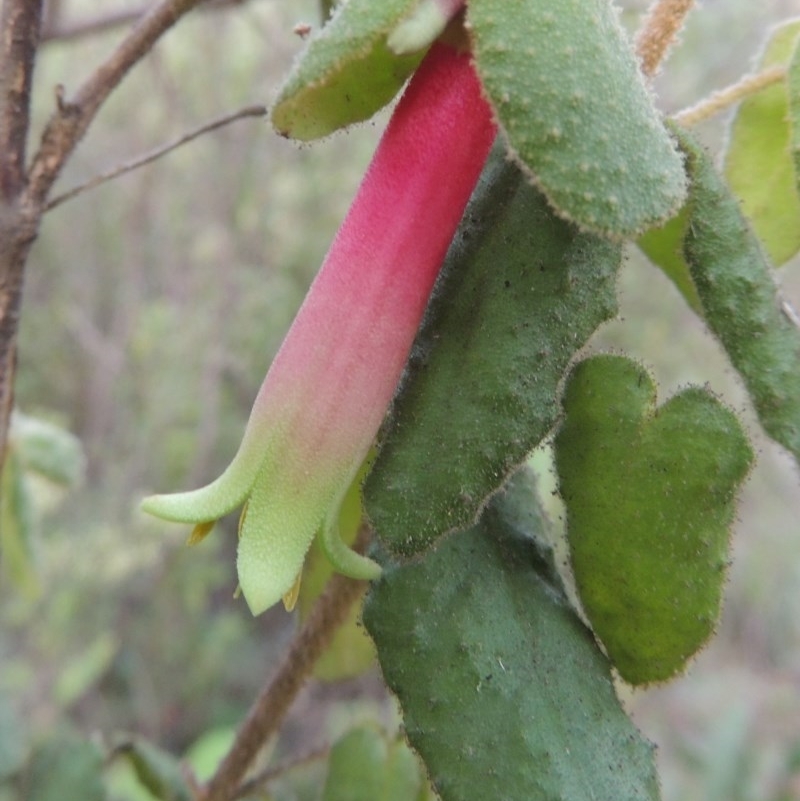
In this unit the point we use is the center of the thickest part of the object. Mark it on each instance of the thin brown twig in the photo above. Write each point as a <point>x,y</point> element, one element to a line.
<point>269,709</point>
<point>258,781</point>
<point>660,28</point>
<point>157,153</point>
<point>72,117</point>
<point>724,98</point>
<point>20,21</point>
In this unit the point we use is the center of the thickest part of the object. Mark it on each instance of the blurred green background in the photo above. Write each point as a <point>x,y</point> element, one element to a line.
<point>153,307</point>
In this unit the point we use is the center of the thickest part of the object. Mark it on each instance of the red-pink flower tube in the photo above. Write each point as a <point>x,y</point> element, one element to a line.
<point>325,395</point>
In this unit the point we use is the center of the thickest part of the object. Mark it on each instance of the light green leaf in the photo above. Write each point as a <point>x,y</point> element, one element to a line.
<point>793,87</point>
<point>17,527</point>
<point>650,496</point>
<point>356,766</point>
<point>758,161</point>
<point>741,302</point>
<point>520,292</point>
<point>664,247</point>
<point>158,771</point>
<point>567,90</point>
<point>346,73</point>
<point>504,692</point>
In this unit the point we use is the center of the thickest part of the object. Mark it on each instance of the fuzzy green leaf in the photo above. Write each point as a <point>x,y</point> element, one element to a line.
<point>650,497</point>
<point>740,300</point>
<point>758,161</point>
<point>520,292</point>
<point>504,693</point>
<point>566,88</point>
<point>346,73</point>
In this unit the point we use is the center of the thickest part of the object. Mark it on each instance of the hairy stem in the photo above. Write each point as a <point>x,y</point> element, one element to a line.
<point>659,31</point>
<point>270,708</point>
<point>725,98</point>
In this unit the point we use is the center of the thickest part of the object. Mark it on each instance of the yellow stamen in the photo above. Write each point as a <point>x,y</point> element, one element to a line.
<point>201,531</point>
<point>290,598</point>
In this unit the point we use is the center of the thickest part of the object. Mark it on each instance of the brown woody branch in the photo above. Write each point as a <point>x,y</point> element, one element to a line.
<point>72,117</point>
<point>20,21</point>
<point>269,709</point>
<point>157,153</point>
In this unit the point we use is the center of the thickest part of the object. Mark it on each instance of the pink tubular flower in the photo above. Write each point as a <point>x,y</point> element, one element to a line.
<point>326,393</point>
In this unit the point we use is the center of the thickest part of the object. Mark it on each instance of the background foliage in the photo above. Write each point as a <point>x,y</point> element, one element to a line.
<point>153,307</point>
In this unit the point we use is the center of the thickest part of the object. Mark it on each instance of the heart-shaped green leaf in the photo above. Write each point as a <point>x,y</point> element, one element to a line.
<point>504,693</point>
<point>758,162</point>
<point>346,73</point>
<point>650,496</point>
<point>740,300</point>
<point>567,90</point>
<point>521,291</point>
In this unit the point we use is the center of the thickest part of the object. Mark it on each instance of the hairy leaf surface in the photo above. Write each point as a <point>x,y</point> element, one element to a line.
<point>520,292</point>
<point>504,692</point>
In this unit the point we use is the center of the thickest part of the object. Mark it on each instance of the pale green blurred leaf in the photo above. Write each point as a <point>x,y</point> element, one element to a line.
<point>66,767</point>
<point>13,739</point>
<point>205,753</point>
<point>17,527</point>
<point>48,449</point>
<point>80,674</point>
<point>758,161</point>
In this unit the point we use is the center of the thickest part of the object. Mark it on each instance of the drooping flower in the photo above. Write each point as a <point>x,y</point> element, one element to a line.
<point>323,399</point>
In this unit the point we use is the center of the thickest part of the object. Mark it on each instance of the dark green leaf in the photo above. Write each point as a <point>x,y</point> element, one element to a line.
<point>740,300</point>
<point>566,88</point>
<point>650,497</point>
<point>505,694</point>
<point>520,292</point>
